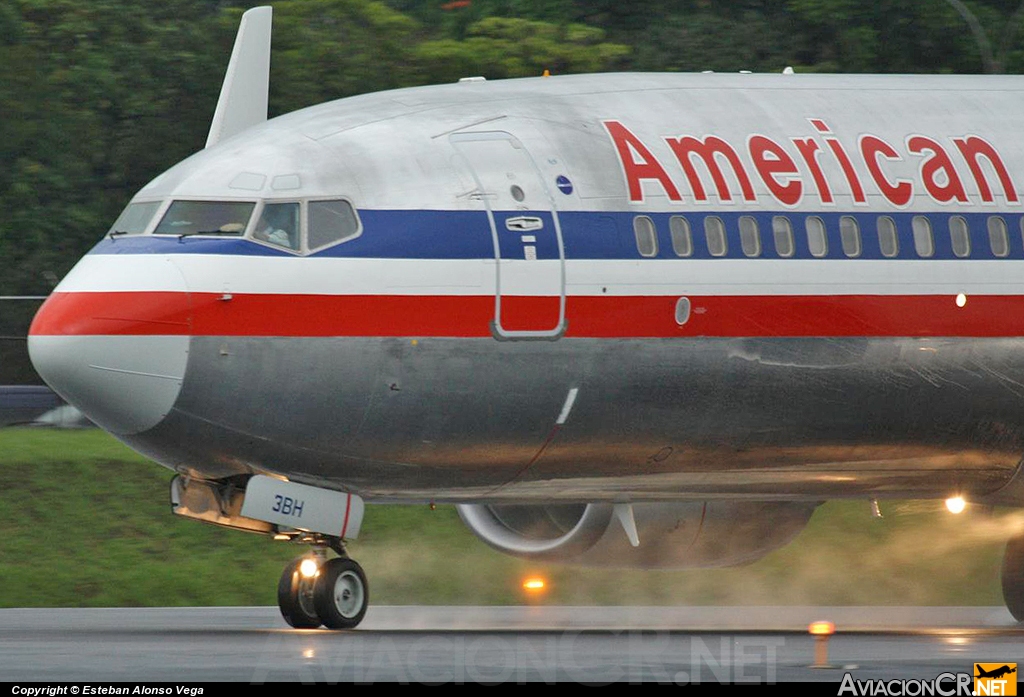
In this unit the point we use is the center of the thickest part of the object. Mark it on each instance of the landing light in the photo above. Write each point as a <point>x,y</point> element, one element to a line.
<point>308,568</point>
<point>956,504</point>
<point>961,300</point>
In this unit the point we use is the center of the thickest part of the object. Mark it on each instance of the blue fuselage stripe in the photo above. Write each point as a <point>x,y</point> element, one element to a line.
<point>425,234</point>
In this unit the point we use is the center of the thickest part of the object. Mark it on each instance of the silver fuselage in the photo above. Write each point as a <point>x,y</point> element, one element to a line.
<point>501,330</point>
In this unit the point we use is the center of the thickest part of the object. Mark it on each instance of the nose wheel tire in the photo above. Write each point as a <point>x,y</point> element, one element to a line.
<point>340,595</point>
<point>295,597</point>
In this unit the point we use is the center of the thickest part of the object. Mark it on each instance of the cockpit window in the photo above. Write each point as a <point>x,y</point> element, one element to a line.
<point>205,218</point>
<point>279,224</point>
<point>331,221</point>
<point>135,218</point>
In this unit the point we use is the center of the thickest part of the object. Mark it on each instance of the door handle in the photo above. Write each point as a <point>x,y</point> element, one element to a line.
<point>524,224</point>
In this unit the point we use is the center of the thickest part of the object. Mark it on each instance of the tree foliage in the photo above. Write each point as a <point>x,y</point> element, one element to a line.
<point>95,99</point>
<point>504,47</point>
<point>99,96</point>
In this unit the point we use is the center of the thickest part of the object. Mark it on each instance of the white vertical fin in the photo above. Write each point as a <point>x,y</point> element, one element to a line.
<point>624,512</point>
<point>243,96</point>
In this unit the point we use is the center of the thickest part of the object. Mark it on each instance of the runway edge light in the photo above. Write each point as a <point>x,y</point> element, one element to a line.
<point>822,631</point>
<point>534,584</point>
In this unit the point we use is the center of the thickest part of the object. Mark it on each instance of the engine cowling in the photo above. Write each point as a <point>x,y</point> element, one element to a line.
<point>672,535</point>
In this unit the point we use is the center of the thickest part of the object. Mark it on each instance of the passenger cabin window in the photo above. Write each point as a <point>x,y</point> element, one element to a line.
<point>849,235</point>
<point>279,225</point>
<point>135,218</point>
<point>750,236</point>
<point>816,239</point>
<point>924,244</point>
<point>960,236</point>
<point>330,222</point>
<point>205,218</point>
<point>714,233</point>
<point>888,241</point>
<point>682,239</point>
<point>998,237</point>
<point>782,233</point>
<point>646,236</point>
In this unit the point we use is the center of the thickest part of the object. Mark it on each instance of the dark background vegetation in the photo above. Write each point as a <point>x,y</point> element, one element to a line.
<point>99,96</point>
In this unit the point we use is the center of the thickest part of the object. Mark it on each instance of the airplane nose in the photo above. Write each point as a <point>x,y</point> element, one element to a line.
<point>115,347</point>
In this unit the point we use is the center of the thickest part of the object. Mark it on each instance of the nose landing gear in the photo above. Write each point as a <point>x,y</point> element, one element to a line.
<point>315,591</point>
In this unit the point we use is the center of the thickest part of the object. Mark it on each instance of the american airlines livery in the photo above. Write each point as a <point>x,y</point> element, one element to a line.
<point>626,319</point>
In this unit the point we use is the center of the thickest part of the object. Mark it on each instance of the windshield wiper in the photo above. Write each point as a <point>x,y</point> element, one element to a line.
<point>210,232</point>
<point>116,233</point>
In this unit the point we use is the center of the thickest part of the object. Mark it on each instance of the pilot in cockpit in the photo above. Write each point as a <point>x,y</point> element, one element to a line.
<point>279,224</point>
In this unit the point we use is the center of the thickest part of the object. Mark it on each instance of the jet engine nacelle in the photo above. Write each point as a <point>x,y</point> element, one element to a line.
<point>672,535</point>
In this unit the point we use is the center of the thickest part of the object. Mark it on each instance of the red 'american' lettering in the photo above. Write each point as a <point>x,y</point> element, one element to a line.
<point>710,165</point>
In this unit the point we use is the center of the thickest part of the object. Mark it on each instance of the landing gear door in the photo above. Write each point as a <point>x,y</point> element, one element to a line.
<point>529,299</point>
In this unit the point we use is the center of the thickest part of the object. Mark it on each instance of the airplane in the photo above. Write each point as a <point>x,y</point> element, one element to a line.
<point>634,320</point>
<point>996,672</point>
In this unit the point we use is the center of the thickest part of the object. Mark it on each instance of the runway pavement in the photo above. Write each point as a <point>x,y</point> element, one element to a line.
<point>501,644</point>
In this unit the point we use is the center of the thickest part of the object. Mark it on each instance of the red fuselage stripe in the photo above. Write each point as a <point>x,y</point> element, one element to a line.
<point>207,314</point>
<point>344,523</point>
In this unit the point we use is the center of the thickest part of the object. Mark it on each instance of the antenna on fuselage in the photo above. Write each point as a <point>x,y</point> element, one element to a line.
<point>243,96</point>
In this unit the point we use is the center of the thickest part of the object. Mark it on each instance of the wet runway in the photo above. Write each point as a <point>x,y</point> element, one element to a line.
<point>501,644</point>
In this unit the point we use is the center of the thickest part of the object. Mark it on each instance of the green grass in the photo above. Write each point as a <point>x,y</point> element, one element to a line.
<point>87,522</point>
